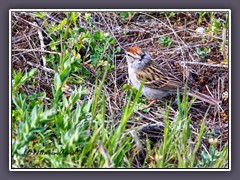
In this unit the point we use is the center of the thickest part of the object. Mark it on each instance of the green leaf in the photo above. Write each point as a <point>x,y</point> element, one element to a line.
<point>162,40</point>
<point>33,72</point>
<point>112,41</point>
<point>94,58</point>
<point>65,74</point>
<point>47,115</point>
<point>204,155</point>
<point>99,35</point>
<point>32,96</point>
<point>212,151</point>
<point>207,50</point>
<point>96,48</point>
<point>53,46</point>
<point>34,117</point>
<point>87,16</point>
<point>81,30</point>
<point>42,95</point>
<point>63,23</point>
<point>74,16</point>
<point>65,101</point>
<point>118,49</point>
<point>166,41</point>
<point>146,110</point>
<point>57,82</point>
<point>198,51</point>
<point>17,77</point>
<point>127,15</point>
<point>172,14</point>
<point>227,21</point>
<point>126,87</point>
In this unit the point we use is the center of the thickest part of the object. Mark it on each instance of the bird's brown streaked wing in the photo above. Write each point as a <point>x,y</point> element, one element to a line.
<point>155,79</point>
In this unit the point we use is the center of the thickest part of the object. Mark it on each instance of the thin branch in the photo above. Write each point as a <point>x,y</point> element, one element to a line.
<point>41,43</point>
<point>32,24</point>
<point>150,119</point>
<point>34,50</point>
<point>203,64</point>
<point>41,67</point>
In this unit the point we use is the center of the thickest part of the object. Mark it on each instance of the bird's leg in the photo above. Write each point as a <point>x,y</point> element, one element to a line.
<point>152,101</point>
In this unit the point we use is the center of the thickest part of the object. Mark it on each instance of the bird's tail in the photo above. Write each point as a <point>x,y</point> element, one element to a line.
<point>205,98</point>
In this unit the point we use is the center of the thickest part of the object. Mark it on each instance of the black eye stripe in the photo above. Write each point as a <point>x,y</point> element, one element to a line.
<point>130,55</point>
<point>142,56</point>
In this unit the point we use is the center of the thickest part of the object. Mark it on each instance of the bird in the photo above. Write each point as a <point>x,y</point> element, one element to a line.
<point>159,82</point>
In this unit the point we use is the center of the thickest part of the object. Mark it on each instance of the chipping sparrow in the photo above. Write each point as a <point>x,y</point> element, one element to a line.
<point>159,82</point>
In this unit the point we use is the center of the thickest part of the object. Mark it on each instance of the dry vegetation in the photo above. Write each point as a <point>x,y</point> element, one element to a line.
<point>208,74</point>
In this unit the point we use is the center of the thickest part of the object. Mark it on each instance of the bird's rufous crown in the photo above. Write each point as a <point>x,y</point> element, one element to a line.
<point>136,51</point>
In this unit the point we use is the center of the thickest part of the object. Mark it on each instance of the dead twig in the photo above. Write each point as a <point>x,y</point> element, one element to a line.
<point>41,67</point>
<point>41,43</point>
<point>203,64</point>
<point>34,50</point>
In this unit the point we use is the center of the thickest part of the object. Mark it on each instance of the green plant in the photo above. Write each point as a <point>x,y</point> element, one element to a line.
<point>127,16</point>
<point>166,41</point>
<point>177,149</point>
<point>63,133</point>
<point>213,158</point>
<point>83,44</point>
<point>203,53</point>
<point>19,80</point>
<point>224,44</point>
<point>215,26</point>
<point>172,14</point>
<point>200,18</point>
